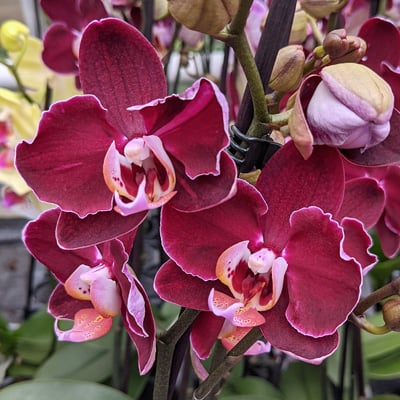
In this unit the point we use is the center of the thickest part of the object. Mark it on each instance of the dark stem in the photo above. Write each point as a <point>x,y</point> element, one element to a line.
<point>148,8</point>
<point>232,358</point>
<point>165,352</point>
<point>378,295</point>
<point>274,36</point>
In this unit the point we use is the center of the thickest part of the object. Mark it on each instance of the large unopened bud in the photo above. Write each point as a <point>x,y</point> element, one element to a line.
<point>350,108</point>
<point>320,8</point>
<point>344,48</point>
<point>391,314</point>
<point>288,69</point>
<point>207,16</point>
<point>298,33</point>
<point>13,35</point>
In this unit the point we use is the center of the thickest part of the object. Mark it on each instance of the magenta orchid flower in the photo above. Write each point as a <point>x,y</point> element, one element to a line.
<point>372,196</point>
<point>123,147</point>
<point>61,40</point>
<point>95,285</point>
<point>275,258</point>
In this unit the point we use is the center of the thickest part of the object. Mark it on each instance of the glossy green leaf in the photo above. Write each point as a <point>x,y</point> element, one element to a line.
<point>385,367</point>
<point>34,338</point>
<point>302,381</point>
<point>251,386</point>
<point>83,361</point>
<point>60,390</point>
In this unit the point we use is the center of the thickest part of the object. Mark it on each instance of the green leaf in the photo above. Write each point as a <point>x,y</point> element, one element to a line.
<point>302,381</point>
<point>249,387</point>
<point>60,390</point>
<point>87,361</point>
<point>34,338</point>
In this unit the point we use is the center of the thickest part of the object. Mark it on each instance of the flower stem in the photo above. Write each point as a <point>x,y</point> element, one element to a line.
<point>367,326</point>
<point>232,358</point>
<point>165,352</point>
<point>378,295</point>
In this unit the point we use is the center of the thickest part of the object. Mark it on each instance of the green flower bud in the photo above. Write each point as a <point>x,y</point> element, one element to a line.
<point>288,69</point>
<point>13,35</point>
<point>298,33</point>
<point>207,16</point>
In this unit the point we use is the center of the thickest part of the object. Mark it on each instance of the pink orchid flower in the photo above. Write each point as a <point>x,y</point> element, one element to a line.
<point>273,258</point>
<point>372,196</point>
<point>124,148</point>
<point>61,40</point>
<point>95,285</point>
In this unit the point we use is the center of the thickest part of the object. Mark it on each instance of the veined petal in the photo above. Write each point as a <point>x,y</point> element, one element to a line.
<point>198,253</point>
<point>324,287</point>
<point>318,181</point>
<point>120,66</point>
<point>88,325</point>
<point>64,162</point>
<point>193,127</point>
<point>39,238</point>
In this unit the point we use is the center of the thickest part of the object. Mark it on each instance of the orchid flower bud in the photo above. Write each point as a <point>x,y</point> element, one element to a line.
<point>288,69</point>
<point>207,16</point>
<point>298,33</point>
<point>320,8</point>
<point>13,35</point>
<point>391,314</point>
<point>350,108</point>
<point>344,48</point>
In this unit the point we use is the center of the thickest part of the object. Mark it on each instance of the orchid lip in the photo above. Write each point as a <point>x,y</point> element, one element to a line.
<point>142,178</point>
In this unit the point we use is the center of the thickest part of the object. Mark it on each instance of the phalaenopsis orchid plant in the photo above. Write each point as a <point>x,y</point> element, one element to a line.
<point>260,141</point>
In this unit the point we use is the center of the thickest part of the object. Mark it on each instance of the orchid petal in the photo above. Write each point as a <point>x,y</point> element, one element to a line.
<point>204,333</point>
<point>114,57</point>
<point>63,306</point>
<point>317,181</point>
<point>389,240</point>
<point>105,297</point>
<point>193,127</point>
<point>331,281</point>
<point>370,208</point>
<point>198,254</point>
<point>88,325</point>
<point>73,152</point>
<point>356,244</point>
<point>169,281</point>
<point>75,286</point>
<point>284,337</point>
<point>73,232</point>
<point>39,238</point>
<point>231,335</point>
<point>206,191</point>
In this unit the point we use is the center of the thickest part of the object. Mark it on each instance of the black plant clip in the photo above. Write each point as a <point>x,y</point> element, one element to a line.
<point>250,152</point>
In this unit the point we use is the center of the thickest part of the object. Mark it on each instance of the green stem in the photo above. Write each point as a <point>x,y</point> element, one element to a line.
<point>367,326</point>
<point>238,23</point>
<point>232,358</point>
<point>13,71</point>
<point>165,352</point>
<point>241,47</point>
